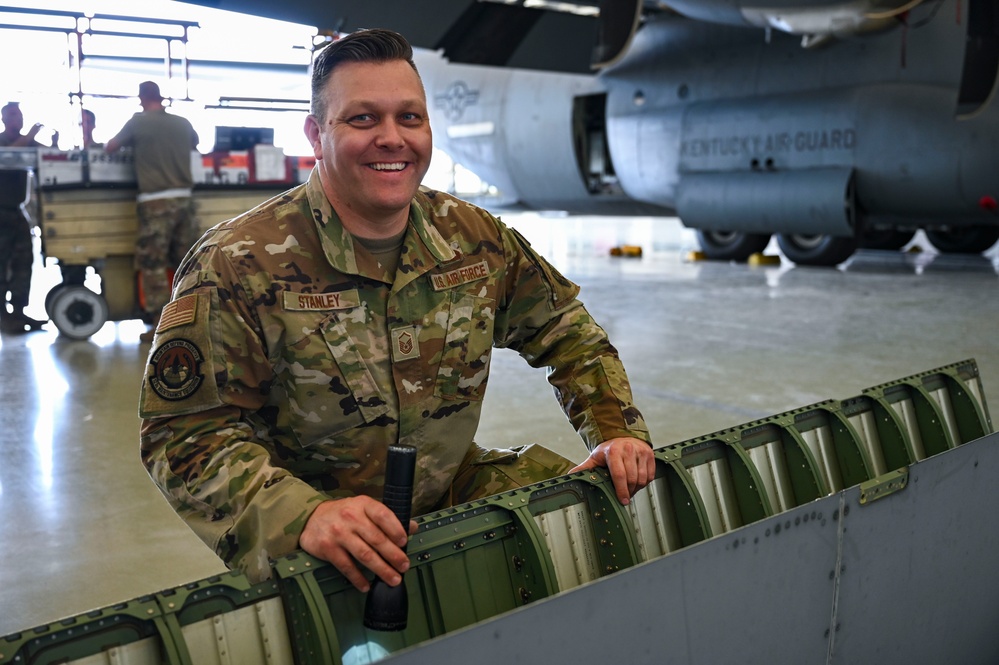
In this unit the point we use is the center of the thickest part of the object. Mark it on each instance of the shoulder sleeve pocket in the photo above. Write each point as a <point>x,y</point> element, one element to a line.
<point>180,375</point>
<point>560,290</point>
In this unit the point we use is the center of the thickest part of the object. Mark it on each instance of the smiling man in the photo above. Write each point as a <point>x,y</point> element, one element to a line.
<point>354,312</point>
<point>372,141</point>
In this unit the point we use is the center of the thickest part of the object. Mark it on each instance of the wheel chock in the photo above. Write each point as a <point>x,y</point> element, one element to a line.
<point>759,259</point>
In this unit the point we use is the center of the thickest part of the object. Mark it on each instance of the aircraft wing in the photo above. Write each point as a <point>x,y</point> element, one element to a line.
<point>575,36</point>
<point>553,36</point>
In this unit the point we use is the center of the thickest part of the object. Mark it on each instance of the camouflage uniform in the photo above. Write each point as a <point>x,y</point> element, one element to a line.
<point>16,250</point>
<point>162,144</point>
<point>16,257</point>
<point>167,230</point>
<point>289,360</point>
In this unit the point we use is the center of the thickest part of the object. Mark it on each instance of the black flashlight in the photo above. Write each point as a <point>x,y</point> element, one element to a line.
<point>387,607</point>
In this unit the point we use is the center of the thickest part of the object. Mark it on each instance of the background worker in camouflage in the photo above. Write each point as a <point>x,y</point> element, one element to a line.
<point>17,253</point>
<point>353,312</point>
<point>161,145</point>
<point>16,257</point>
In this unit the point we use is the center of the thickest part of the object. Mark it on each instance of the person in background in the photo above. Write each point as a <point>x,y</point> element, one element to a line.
<point>16,253</point>
<point>354,312</point>
<point>16,250</point>
<point>13,123</point>
<point>77,274</point>
<point>88,121</point>
<point>161,143</point>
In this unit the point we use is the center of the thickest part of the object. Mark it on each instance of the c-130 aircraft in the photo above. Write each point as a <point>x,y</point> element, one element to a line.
<point>834,124</point>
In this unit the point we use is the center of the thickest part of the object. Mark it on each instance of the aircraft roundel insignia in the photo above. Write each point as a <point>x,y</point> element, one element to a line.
<point>456,99</point>
<point>176,370</point>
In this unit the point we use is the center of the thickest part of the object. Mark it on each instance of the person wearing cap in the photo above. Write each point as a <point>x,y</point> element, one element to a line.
<point>161,144</point>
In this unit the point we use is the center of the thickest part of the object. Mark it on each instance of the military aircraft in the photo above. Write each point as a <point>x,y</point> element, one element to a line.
<point>834,124</point>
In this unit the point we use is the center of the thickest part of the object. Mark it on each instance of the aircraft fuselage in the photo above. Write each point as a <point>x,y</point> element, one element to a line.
<point>738,130</point>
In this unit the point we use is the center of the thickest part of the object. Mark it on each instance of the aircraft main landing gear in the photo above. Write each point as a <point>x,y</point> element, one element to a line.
<point>816,250</point>
<point>731,245</point>
<point>887,239</point>
<point>964,240</point>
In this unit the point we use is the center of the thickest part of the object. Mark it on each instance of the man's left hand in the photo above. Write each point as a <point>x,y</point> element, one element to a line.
<point>630,462</point>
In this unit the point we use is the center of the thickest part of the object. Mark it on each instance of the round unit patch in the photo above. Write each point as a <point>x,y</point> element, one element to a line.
<point>176,370</point>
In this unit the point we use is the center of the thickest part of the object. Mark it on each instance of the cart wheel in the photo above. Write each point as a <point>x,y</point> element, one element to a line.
<point>77,311</point>
<point>50,296</point>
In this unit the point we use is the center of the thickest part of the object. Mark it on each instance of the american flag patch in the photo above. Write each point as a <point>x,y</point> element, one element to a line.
<point>178,313</point>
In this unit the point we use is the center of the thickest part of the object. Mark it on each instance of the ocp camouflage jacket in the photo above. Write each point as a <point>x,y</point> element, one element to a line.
<point>288,360</point>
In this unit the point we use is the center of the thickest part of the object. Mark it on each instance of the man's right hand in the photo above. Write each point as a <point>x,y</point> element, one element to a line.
<point>355,530</point>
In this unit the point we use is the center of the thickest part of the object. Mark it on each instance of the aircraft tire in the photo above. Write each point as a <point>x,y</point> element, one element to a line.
<point>964,240</point>
<point>891,239</point>
<point>816,250</point>
<point>731,245</point>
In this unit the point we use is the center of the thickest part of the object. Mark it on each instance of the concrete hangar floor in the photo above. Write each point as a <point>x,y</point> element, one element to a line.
<point>707,346</point>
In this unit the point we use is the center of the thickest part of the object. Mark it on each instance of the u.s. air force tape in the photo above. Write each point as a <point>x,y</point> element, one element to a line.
<point>459,276</point>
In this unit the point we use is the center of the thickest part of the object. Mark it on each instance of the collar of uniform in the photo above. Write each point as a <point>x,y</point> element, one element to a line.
<point>424,248</point>
<point>421,213</point>
<point>338,244</point>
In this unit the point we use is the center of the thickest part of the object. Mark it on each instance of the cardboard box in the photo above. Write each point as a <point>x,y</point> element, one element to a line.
<point>203,168</point>
<point>118,167</point>
<point>60,167</point>
<point>232,167</point>
<point>269,165</point>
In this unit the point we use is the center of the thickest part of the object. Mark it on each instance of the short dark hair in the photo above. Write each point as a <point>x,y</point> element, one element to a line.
<point>373,45</point>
